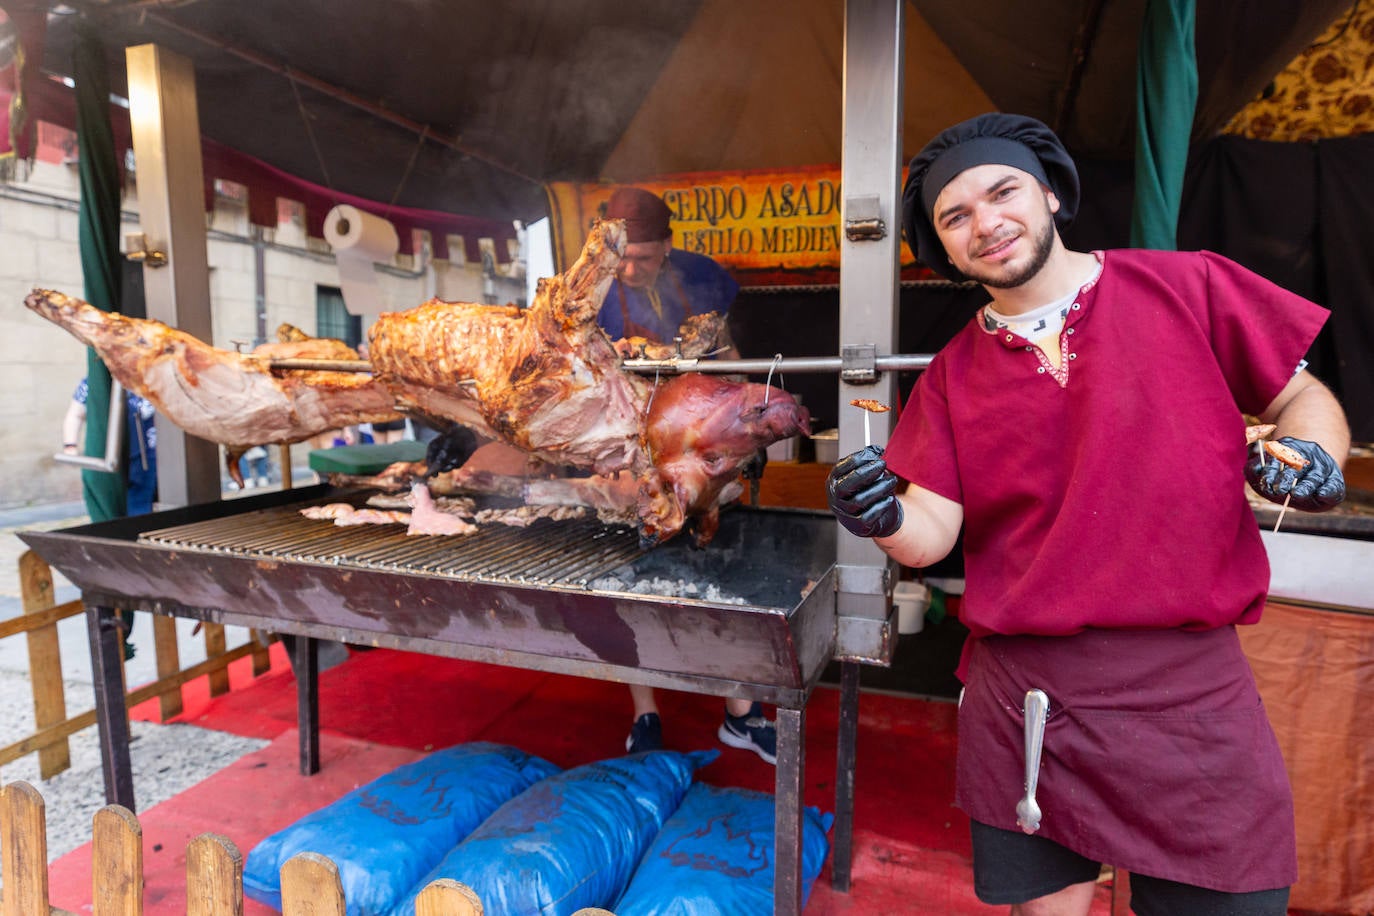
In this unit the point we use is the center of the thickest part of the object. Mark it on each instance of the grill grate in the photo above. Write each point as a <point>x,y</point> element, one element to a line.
<point>567,553</point>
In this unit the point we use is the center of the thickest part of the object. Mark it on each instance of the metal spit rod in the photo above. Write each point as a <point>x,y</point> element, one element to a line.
<point>673,364</point>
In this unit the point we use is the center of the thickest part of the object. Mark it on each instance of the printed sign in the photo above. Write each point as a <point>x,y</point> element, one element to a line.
<point>768,228</point>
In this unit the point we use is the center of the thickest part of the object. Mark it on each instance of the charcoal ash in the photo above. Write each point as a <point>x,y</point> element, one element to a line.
<point>666,588</point>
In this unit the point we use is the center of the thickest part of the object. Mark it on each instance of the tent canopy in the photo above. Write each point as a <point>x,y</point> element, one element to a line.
<point>469,107</point>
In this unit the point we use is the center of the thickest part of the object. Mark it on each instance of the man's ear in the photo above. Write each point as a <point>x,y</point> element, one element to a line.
<point>1051,199</point>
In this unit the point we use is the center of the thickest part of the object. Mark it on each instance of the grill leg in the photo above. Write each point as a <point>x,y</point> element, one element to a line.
<point>111,712</point>
<point>842,855</point>
<point>305,661</point>
<point>787,816</point>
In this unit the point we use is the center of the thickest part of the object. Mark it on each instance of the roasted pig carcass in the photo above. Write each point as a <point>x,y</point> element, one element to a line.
<point>545,379</point>
<point>700,433</point>
<point>234,399</point>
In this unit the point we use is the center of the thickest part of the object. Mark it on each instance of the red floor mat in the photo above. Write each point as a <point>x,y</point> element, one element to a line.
<point>384,708</point>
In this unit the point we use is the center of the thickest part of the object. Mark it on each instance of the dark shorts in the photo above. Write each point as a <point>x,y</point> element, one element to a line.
<point>1011,867</point>
<point>389,426</point>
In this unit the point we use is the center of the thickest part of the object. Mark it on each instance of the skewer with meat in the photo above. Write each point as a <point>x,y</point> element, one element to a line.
<point>234,399</point>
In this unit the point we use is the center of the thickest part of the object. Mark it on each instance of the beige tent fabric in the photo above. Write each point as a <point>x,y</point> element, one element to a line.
<point>1315,671</point>
<point>745,74</point>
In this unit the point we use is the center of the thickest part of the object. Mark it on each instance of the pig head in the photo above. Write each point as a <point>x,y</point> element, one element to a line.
<point>700,432</point>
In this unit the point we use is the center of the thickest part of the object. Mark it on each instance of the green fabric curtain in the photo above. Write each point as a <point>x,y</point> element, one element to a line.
<point>105,493</point>
<point>1166,98</point>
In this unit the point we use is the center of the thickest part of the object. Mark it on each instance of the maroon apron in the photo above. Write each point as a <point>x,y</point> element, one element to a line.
<point>1158,756</point>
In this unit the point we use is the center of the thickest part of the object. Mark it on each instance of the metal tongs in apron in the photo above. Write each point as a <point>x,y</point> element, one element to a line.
<point>1037,706</point>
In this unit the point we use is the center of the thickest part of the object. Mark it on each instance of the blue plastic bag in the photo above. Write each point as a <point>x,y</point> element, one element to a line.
<point>714,857</point>
<point>572,840</point>
<point>385,835</point>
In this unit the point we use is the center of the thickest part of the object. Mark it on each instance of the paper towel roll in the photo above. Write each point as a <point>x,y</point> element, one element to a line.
<point>359,240</point>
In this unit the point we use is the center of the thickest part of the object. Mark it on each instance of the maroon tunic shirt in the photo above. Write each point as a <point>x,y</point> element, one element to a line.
<point>1104,502</point>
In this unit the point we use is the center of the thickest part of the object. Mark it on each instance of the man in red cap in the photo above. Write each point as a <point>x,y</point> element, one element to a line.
<point>1085,431</point>
<point>657,288</point>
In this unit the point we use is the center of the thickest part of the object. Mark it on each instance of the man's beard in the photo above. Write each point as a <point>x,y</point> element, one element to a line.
<point>1040,253</point>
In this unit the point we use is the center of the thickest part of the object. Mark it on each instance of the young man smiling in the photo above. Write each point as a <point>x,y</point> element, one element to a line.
<point>1086,433</point>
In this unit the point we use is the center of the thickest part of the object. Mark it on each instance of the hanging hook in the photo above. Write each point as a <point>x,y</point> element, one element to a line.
<point>768,385</point>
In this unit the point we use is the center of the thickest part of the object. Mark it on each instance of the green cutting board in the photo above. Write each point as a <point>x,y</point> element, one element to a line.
<point>364,459</point>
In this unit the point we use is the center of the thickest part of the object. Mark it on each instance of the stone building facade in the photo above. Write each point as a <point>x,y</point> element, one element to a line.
<point>41,364</point>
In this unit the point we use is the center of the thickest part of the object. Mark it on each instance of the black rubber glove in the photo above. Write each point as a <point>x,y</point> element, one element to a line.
<point>1315,488</point>
<point>862,493</point>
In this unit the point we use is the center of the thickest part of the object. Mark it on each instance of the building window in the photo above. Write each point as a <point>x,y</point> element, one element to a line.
<point>332,319</point>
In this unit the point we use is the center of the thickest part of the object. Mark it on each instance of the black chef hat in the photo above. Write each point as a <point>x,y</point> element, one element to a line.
<point>1003,139</point>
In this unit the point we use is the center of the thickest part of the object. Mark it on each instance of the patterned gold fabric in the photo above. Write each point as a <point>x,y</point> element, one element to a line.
<point>1327,91</point>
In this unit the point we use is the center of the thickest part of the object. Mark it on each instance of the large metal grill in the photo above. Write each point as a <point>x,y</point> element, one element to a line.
<point>570,552</point>
<point>754,608</point>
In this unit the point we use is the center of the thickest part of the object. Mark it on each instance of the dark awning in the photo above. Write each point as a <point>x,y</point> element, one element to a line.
<point>463,106</point>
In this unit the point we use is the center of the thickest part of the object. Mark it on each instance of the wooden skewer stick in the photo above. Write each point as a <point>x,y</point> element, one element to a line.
<point>1284,509</point>
<point>868,438</point>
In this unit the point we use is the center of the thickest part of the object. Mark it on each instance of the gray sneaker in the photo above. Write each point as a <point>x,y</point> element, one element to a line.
<point>751,732</point>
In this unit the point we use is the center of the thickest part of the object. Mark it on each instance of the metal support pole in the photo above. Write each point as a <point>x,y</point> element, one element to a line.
<point>165,125</point>
<point>787,813</point>
<point>305,661</point>
<point>112,717</point>
<point>869,273</point>
<point>846,738</point>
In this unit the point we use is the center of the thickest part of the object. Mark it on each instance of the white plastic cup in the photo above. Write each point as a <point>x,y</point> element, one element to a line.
<point>911,600</point>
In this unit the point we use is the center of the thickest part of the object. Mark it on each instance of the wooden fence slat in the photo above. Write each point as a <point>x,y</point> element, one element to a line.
<point>310,886</point>
<point>23,850</point>
<point>214,645</point>
<point>447,897</point>
<point>116,862</point>
<point>168,658</point>
<point>45,663</point>
<point>214,877</point>
<point>27,623</point>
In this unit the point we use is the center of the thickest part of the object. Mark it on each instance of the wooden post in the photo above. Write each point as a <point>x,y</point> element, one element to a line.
<point>165,127</point>
<point>168,658</point>
<point>446,897</point>
<point>45,663</point>
<point>1121,892</point>
<point>116,863</point>
<point>260,640</point>
<point>310,886</point>
<point>23,851</point>
<point>215,645</point>
<point>214,877</point>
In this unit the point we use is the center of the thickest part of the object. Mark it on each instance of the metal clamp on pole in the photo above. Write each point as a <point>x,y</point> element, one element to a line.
<point>859,363</point>
<point>865,629</point>
<point>863,220</point>
<point>114,438</point>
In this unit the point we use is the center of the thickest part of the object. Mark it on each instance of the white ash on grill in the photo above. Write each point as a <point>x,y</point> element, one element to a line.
<point>666,588</point>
